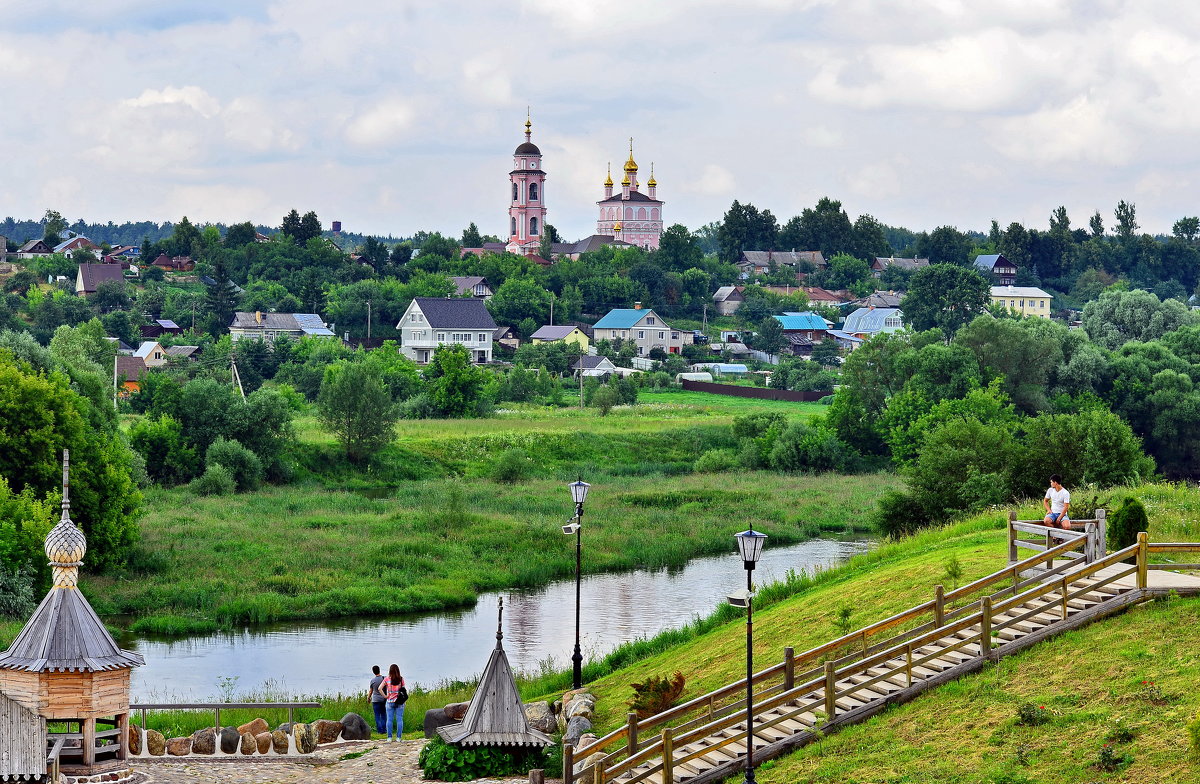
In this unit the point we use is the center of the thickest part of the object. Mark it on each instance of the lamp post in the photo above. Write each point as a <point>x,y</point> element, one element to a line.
<point>750,543</point>
<point>579,490</point>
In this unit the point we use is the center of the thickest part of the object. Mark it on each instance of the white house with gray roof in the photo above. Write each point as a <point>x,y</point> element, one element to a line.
<point>868,322</point>
<point>429,322</point>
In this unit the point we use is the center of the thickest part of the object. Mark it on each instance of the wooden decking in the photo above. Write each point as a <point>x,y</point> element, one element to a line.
<point>849,679</point>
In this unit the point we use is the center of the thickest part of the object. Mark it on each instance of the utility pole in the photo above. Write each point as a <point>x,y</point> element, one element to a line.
<point>115,379</point>
<point>193,315</point>
<point>237,378</point>
<point>552,309</point>
<point>368,323</point>
<point>705,329</point>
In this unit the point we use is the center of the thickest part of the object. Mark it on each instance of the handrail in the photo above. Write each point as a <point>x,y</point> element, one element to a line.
<point>217,707</point>
<point>52,763</point>
<point>983,614</point>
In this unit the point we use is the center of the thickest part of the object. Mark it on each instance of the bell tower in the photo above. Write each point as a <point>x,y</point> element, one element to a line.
<point>527,197</point>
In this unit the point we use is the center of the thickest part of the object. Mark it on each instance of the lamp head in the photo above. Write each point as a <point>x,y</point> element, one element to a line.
<point>750,544</point>
<point>579,490</point>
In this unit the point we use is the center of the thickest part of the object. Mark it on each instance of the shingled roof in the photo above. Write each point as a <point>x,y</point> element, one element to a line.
<point>496,716</point>
<point>64,632</point>
<point>455,313</point>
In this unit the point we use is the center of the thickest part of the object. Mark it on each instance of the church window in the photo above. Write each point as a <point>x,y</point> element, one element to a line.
<point>629,213</point>
<point>514,191</point>
<point>532,226</point>
<point>533,191</point>
<point>654,214</point>
<point>514,224</point>
<point>642,214</point>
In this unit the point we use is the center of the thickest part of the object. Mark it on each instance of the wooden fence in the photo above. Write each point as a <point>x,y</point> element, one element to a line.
<point>760,393</point>
<point>22,742</point>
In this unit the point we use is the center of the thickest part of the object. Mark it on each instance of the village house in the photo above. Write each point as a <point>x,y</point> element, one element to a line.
<point>883,262</point>
<point>869,322</point>
<point>151,353</point>
<point>819,296</point>
<point>997,269</point>
<point>473,286</point>
<point>1026,300</point>
<point>174,263</point>
<point>567,333</point>
<point>728,299</point>
<point>90,276</point>
<point>642,326</point>
<point>78,242</point>
<point>429,322</point>
<point>803,331</point>
<point>269,326</point>
<point>33,249</point>
<point>759,262</point>
<point>128,372</point>
<point>160,327</point>
<point>593,366</point>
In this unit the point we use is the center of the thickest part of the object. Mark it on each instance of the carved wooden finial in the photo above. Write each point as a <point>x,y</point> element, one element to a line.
<point>500,623</point>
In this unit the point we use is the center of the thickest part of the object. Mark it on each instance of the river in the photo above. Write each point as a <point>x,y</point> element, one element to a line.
<point>325,658</point>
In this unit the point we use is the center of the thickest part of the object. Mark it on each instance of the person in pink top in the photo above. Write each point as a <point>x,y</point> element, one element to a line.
<point>395,695</point>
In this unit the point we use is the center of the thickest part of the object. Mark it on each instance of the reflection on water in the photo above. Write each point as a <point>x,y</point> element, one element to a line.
<point>539,625</point>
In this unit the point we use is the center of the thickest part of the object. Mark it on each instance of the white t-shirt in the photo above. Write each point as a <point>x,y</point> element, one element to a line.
<point>1058,499</point>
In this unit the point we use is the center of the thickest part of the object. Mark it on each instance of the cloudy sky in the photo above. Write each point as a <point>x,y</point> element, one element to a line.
<point>394,116</point>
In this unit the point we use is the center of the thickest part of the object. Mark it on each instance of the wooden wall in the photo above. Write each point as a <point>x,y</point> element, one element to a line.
<point>22,742</point>
<point>69,695</point>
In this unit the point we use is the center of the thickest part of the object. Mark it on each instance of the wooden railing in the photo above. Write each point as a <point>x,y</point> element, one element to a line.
<point>217,707</point>
<point>634,743</point>
<point>52,763</point>
<point>1095,529</point>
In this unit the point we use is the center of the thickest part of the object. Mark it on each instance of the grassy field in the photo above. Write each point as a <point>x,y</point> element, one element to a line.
<point>304,552</point>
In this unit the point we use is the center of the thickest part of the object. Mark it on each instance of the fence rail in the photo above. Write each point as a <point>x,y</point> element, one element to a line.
<point>760,393</point>
<point>217,707</point>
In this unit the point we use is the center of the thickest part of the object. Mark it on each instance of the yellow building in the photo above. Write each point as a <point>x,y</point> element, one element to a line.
<point>1026,300</point>
<point>566,333</point>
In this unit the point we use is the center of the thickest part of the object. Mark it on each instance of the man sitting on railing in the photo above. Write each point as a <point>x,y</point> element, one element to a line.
<point>1056,503</point>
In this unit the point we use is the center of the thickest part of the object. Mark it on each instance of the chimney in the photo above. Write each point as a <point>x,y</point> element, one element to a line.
<point>637,306</point>
<point>258,317</point>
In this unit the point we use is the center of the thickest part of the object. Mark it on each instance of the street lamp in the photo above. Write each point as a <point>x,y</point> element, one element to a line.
<point>579,490</point>
<point>750,544</point>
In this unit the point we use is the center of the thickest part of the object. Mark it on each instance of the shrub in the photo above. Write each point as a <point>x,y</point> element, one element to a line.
<point>417,407</point>
<point>715,461</point>
<point>242,464</point>
<point>655,695</point>
<point>899,514</point>
<point>16,592</point>
<point>512,465</point>
<point>605,398</point>
<point>1109,760</point>
<point>1194,734</point>
<point>809,448</point>
<point>1125,523</point>
<point>1032,715</point>
<point>446,762</point>
<point>216,480</point>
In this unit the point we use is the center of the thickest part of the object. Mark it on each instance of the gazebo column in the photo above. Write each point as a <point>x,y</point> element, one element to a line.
<point>123,738</point>
<point>89,741</point>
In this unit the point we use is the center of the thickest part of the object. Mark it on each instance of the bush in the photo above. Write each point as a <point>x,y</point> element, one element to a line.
<point>803,447</point>
<point>216,480</point>
<point>655,695</point>
<point>512,465</point>
<point>242,464</point>
<point>417,407</point>
<point>17,599</point>
<point>447,762</point>
<point>1194,734</point>
<point>1032,715</point>
<point>1125,523</point>
<point>605,398</point>
<point>899,514</point>
<point>715,461</point>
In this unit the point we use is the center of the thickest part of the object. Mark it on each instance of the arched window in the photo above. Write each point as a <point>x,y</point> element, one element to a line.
<point>654,214</point>
<point>514,191</point>
<point>533,191</point>
<point>629,213</point>
<point>513,233</point>
<point>642,213</point>
<point>532,227</point>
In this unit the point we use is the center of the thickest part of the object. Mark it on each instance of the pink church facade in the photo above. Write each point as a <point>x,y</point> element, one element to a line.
<point>630,215</point>
<point>527,205</point>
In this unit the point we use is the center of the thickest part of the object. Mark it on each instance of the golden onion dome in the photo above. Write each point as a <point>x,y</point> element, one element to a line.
<point>617,226</point>
<point>631,165</point>
<point>608,180</point>
<point>652,182</point>
<point>626,181</point>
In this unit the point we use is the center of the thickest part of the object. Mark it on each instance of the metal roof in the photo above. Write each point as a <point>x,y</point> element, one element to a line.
<point>549,332</point>
<point>805,320</point>
<point>454,313</point>
<point>1018,291</point>
<point>871,320</point>
<point>624,318</point>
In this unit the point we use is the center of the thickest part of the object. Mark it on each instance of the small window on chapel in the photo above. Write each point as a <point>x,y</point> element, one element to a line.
<point>533,191</point>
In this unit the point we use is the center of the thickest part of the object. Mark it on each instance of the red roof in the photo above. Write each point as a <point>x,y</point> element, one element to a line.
<point>536,259</point>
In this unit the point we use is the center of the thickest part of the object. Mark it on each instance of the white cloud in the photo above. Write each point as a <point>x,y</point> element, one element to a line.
<point>386,122</point>
<point>195,98</point>
<point>714,180</point>
<point>1084,130</point>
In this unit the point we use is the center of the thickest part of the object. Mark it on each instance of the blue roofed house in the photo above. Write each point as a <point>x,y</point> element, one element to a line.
<point>869,322</point>
<point>429,322</point>
<point>642,326</point>
<point>803,331</point>
<point>997,269</point>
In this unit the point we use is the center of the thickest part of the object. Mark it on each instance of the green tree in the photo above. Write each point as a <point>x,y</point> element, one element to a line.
<point>678,249</point>
<point>826,353</point>
<point>291,225</point>
<point>945,245</point>
<point>770,337</point>
<point>356,407</point>
<point>944,296</point>
<point>745,228</point>
<point>825,227</point>
<point>220,299</point>
<point>239,235</point>
<point>1126,215</point>
<point>471,238</point>
<point>455,385</point>
<point>1120,316</point>
<point>184,238</point>
<point>518,299</point>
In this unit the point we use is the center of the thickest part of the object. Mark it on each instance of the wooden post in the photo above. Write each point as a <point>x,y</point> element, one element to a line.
<point>1102,536</point>
<point>568,772</point>
<point>631,730</point>
<point>985,627</point>
<point>1049,543</point>
<point>1012,537</point>
<point>1142,554</point>
<point>1064,590</point>
<point>217,718</point>
<point>1089,542</point>
<point>537,776</point>
<point>89,742</point>
<point>830,687</point>
<point>789,668</point>
<point>939,606</point>
<point>598,771</point>
<point>908,662</point>
<point>123,738</point>
<point>668,771</point>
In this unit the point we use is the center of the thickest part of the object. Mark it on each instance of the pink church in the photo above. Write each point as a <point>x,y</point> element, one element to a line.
<point>631,216</point>
<point>527,210</point>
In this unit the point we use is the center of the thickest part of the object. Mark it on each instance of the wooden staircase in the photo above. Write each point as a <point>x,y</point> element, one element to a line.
<point>849,679</point>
